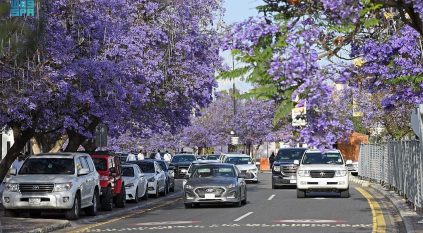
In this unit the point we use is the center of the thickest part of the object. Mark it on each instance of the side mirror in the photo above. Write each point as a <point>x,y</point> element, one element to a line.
<point>349,162</point>
<point>13,171</point>
<point>83,171</point>
<point>297,162</point>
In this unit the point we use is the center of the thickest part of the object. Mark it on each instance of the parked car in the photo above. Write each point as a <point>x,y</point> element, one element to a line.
<point>180,164</point>
<point>170,175</point>
<point>245,164</point>
<point>284,171</point>
<point>212,157</point>
<point>67,182</point>
<point>215,183</point>
<point>112,185</point>
<point>322,172</point>
<point>353,168</point>
<point>155,176</point>
<point>135,183</point>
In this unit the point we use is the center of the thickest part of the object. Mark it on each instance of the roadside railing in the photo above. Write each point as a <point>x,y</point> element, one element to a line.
<point>396,165</point>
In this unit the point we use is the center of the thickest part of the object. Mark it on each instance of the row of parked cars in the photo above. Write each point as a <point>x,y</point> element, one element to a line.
<point>71,182</point>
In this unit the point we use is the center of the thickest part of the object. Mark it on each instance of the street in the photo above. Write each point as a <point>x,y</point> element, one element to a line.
<point>267,210</point>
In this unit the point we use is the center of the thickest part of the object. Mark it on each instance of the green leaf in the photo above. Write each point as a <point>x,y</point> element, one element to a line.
<point>236,73</point>
<point>369,23</point>
<point>284,109</point>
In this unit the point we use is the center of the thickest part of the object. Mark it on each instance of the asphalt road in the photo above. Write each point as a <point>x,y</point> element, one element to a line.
<point>267,211</point>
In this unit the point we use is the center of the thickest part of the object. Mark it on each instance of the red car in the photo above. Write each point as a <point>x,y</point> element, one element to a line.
<point>112,185</point>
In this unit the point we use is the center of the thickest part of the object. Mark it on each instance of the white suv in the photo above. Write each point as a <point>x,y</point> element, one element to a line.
<point>322,172</point>
<point>66,182</point>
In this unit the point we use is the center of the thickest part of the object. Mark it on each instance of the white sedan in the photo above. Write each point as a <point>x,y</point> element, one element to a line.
<point>155,176</point>
<point>135,183</point>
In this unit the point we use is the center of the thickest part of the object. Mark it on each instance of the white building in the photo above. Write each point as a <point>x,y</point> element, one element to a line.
<point>6,141</point>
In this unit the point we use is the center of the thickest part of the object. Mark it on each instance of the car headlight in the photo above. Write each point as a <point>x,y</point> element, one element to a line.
<point>276,168</point>
<point>129,185</point>
<point>11,187</point>
<point>151,179</point>
<point>341,173</point>
<point>231,186</point>
<point>62,187</point>
<point>303,173</point>
<point>187,186</point>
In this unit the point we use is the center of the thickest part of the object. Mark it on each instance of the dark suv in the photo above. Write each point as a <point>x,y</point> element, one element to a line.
<point>284,171</point>
<point>180,164</point>
<point>112,186</point>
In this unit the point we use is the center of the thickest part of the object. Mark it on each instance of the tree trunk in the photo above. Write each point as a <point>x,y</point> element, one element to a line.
<point>75,140</point>
<point>58,144</point>
<point>21,138</point>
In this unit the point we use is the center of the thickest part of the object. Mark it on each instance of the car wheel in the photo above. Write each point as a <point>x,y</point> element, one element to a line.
<point>145,197</point>
<point>92,210</point>
<point>164,190</point>
<point>107,199</point>
<point>157,191</point>
<point>188,205</point>
<point>345,193</point>
<point>274,186</point>
<point>136,198</point>
<point>301,193</point>
<point>11,213</point>
<point>73,213</point>
<point>244,202</point>
<point>172,188</point>
<point>121,198</point>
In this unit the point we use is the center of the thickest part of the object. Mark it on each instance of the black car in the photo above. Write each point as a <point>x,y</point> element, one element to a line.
<point>284,171</point>
<point>180,164</point>
<point>170,177</point>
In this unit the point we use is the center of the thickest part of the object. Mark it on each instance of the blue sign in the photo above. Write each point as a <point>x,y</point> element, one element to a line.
<point>22,8</point>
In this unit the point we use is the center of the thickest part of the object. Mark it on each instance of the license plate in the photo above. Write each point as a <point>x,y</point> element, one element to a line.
<point>293,181</point>
<point>209,196</point>
<point>34,201</point>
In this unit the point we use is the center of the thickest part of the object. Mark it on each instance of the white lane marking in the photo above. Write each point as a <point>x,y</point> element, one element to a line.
<point>271,197</point>
<point>242,217</point>
<point>309,221</point>
<point>166,223</point>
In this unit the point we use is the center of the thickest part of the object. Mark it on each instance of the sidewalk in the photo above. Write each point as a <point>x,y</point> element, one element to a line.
<point>409,217</point>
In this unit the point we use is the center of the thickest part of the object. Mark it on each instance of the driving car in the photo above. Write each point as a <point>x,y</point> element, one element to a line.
<point>155,176</point>
<point>215,184</point>
<point>66,182</point>
<point>195,164</point>
<point>135,183</point>
<point>180,164</point>
<point>170,175</point>
<point>284,171</point>
<point>245,164</point>
<point>322,171</point>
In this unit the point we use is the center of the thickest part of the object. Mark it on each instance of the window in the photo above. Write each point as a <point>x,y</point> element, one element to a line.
<point>43,166</point>
<point>84,163</point>
<point>90,164</point>
<point>128,171</point>
<point>100,164</point>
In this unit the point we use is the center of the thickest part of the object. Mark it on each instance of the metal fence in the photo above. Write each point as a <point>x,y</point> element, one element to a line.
<point>394,164</point>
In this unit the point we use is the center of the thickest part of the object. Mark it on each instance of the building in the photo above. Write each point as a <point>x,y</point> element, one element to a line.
<point>6,141</point>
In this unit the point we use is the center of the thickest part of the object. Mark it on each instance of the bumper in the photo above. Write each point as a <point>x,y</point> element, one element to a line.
<point>130,192</point>
<point>279,180</point>
<point>322,184</point>
<point>151,187</point>
<point>59,200</point>
<point>229,196</point>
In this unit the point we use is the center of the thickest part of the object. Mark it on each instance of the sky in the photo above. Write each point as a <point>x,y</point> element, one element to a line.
<point>237,11</point>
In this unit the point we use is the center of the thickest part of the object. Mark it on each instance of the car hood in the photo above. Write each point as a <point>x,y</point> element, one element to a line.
<point>246,166</point>
<point>285,163</point>
<point>322,167</point>
<point>41,178</point>
<point>217,181</point>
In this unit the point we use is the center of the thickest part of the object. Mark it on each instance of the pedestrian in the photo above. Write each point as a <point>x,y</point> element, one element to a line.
<point>17,164</point>
<point>158,157</point>
<point>140,156</point>
<point>272,159</point>
<point>167,156</point>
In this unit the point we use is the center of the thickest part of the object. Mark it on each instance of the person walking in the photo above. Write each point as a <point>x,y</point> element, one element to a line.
<point>158,157</point>
<point>140,156</point>
<point>167,156</point>
<point>272,160</point>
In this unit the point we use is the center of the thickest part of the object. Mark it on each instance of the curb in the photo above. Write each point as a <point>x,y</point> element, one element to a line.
<point>399,203</point>
<point>51,228</point>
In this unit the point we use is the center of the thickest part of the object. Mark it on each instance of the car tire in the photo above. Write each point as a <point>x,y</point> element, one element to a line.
<point>107,200</point>
<point>11,213</point>
<point>274,186</point>
<point>121,198</point>
<point>136,198</point>
<point>244,202</point>
<point>164,193</point>
<point>35,214</point>
<point>73,214</point>
<point>145,197</point>
<point>157,191</point>
<point>93,209</point>
<point>188,205</point>
<point>301,193</point>
<point>345,193</point>
<point>172,188</point>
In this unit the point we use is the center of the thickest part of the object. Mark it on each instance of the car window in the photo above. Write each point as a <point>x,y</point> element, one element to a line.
<point>90,164</point>
<point>128,171</point>
<point>285,155</point>
<point>322,158</point>
<point>84,163</point>
<point>162,165</point>
<point>183,159</point>
<point>210,171</point>
<point>48,166</point>
<point>146,167</point>
<point>238,160</point>
<point>100,164</point>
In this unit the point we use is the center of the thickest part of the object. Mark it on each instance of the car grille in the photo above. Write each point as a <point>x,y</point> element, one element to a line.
<point>178,172</point>
<point>289,170</point>
<point>36,188</point>
<point>217,191</point>
<point>322,174</point>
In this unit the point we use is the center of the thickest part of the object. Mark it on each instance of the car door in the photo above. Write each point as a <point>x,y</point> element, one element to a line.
<point>84,181</point>
<point>91,175</point>
<point>140,180</point>
<point>159,177</point>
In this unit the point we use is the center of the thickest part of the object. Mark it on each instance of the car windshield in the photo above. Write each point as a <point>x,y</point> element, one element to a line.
<point>238,160</point>
<point>123,158</point>
<point>163,165</point>
<point>48,166</point>
<point>213,157</point>
<point>146,167</point>
<point>183,159</point>
<point>322,158</point>
<point>100,164</point>
<point>285,155</point>
<point>128,171</point>
<point>210,171</point>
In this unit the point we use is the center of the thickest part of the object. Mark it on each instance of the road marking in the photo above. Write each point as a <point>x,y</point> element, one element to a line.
<point>271,197</point>
<point>166,223</point>
<point>379,224</point>
<point>309,221</point>
<point>89,227</point>
<point>242,217</point>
